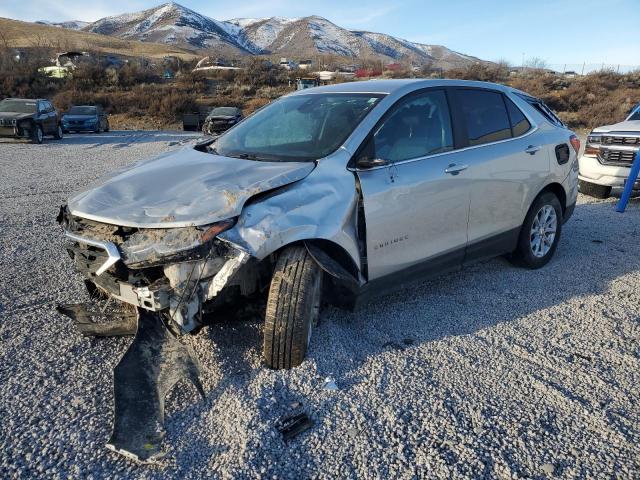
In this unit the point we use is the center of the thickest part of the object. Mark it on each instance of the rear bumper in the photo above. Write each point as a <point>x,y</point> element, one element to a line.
<point>592,171</point>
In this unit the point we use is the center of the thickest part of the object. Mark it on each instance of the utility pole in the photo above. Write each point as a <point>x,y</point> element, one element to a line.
<point>583,65</point>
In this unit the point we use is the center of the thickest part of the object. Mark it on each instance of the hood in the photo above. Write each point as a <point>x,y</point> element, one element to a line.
<point>626,126</point>
<point>182,188</point>
<point>79,117</point>
<point>15,115</point>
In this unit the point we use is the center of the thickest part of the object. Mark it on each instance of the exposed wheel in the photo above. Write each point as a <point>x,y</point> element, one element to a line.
<point>59,134</point>
<point>594,190</point>
<point>293,308</point>
<point>37,136</point>
<point>540,232</point>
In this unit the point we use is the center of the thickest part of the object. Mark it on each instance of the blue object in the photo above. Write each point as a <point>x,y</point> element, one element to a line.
<point>628,186</point>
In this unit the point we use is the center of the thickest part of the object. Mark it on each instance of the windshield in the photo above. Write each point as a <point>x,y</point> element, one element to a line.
<point>82,111</point>
<point>224,111</point>
<point>297,128</point>
<point>635,115</point>
<point>18,106</point>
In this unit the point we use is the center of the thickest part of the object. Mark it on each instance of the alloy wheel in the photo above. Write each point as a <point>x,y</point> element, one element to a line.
<point>543,231</point>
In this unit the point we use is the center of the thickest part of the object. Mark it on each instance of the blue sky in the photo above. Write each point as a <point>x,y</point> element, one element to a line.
<point>560,31</point>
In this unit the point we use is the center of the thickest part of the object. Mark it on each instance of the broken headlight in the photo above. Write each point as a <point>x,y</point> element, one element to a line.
<point>159,246</point>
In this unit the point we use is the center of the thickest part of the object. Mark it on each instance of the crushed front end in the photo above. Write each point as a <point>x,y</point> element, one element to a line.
<point>173,271</point>
<point>162,278</point>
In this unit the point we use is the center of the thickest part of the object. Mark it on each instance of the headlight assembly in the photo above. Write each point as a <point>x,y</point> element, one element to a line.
<point>159,246</point>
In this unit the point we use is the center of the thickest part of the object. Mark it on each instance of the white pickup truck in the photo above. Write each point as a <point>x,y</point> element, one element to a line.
<point>608,155</point>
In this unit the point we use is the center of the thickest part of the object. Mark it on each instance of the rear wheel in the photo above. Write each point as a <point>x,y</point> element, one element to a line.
<point>594,190</point>
<point>540,232</point>
<point>293,308</point>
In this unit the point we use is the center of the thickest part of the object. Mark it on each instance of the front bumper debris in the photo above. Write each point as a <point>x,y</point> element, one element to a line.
<point>154,363</point>
<point>95,322</point>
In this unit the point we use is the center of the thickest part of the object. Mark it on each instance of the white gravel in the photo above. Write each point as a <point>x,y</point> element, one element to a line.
<point>493,372</point>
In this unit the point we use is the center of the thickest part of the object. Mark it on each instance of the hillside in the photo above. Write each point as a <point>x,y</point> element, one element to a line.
<point>17,34</point>
<point>301,38</point>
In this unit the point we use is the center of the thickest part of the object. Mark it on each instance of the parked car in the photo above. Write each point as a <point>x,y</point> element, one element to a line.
<point>608,155</point>
<point>29,118</point>
<point>221,119</point>
<point>330,194</point>
<point>194,121</point>
<point>348,187</point>
<point>83,118</point>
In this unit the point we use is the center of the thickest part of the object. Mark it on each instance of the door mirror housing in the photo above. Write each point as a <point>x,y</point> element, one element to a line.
<point>367,158</point>
<point>367,162</point>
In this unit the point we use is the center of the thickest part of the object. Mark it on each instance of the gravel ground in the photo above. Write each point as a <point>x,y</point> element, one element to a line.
<point>492,372</point>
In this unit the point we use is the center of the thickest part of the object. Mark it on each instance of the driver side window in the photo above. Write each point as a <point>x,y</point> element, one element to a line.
<point>418,126</point>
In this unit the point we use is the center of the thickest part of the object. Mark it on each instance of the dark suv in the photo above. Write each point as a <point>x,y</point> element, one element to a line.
<point>25,118</point>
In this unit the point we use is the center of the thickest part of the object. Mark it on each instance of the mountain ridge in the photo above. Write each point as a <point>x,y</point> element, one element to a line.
<point>303,37</point>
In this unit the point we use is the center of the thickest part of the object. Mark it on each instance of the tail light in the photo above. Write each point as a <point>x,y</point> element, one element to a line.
<point>575,143</point>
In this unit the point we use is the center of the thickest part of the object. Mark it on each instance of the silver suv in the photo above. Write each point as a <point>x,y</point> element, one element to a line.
<point>330,193</point>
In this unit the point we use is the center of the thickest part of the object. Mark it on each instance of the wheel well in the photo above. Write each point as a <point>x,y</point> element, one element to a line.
<point>558,191</point>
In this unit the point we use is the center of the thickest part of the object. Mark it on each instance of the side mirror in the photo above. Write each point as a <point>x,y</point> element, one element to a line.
<point>366,162</point>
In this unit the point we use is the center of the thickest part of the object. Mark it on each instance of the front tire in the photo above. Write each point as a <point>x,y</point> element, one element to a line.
<point>594,190</point>
<point>59,133</point>
<point>293,308</point>
<point>37,135</point>
<point>540,232</point>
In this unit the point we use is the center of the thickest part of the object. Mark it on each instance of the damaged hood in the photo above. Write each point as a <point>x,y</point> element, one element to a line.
<point>182,188</point>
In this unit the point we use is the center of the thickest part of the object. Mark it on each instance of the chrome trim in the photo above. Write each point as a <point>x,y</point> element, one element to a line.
<point>110,248</point>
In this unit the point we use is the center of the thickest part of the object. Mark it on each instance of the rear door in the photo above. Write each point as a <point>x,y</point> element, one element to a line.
<point>505,163</point>
<point>416,213</point>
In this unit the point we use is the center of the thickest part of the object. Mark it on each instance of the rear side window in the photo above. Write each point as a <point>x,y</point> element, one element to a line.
<point>542,108</point>
<point>485,115</point>
<point>519,123</point>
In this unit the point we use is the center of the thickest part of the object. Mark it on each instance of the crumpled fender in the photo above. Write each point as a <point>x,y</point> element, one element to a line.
<point>321,206</point>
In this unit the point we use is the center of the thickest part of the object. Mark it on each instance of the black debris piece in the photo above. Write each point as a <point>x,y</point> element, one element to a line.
<point>154,363</point>
<point>91,321</point>
<point>294,425</point>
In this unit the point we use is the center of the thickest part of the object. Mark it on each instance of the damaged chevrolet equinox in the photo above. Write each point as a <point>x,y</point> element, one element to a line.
<point>328,194</point>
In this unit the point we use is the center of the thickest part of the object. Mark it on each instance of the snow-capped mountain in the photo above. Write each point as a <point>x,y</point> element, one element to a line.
<point>300,38</point>
<point>173,24</point>
<point>71,24</point>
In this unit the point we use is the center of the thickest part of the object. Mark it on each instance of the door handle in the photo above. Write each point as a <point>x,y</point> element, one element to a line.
<point>532,149</point>
<point>454,169</point>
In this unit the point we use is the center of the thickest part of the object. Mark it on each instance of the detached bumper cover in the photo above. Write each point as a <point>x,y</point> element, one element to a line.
<point>154,363</point>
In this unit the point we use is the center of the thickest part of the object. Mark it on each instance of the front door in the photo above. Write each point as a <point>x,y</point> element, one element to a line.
<point>416,206</point>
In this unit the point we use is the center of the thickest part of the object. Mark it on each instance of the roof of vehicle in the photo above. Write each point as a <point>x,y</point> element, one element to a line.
<point>391,86</point>
<point>28,99</point>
